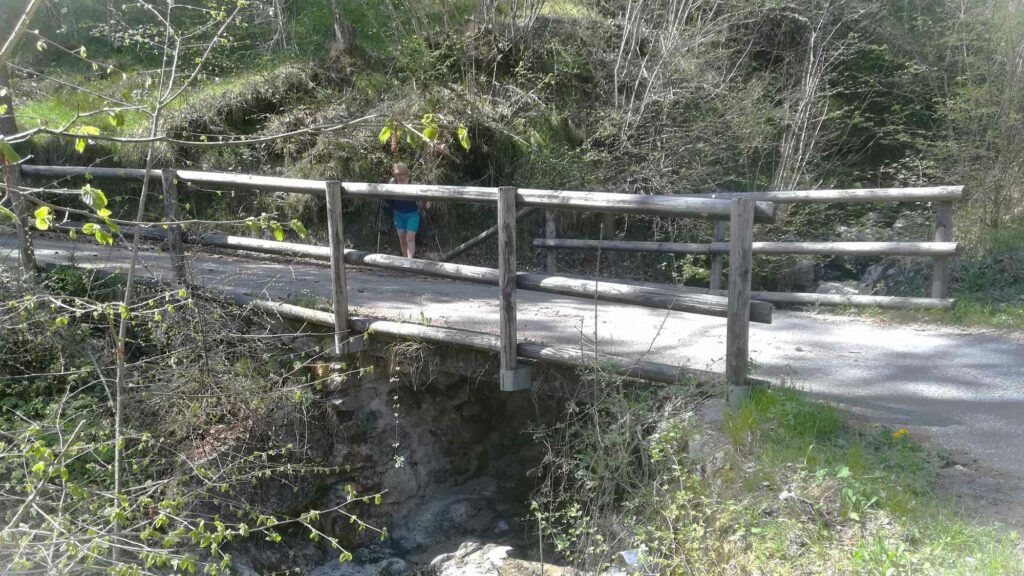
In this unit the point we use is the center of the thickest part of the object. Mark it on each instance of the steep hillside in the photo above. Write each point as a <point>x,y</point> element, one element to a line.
<point>652,98</point>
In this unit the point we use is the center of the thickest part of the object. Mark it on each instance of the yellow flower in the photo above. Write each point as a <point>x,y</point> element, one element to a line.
<point>900,433</point>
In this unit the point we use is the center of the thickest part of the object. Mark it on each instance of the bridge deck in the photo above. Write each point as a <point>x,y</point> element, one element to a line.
<point>967,389</point>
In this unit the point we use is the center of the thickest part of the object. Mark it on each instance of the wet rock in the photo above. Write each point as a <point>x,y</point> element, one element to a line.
<point>471,559</point>
<point>475,559</point>
<point>386,567</point>
<point>836,288</point>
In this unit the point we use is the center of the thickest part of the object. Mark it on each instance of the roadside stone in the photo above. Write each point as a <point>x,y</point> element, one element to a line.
<point>475,559</point>
<point>836,288</point>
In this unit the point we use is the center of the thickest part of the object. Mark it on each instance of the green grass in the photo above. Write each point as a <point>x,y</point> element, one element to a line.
<point>974,310</point>
<point>570,8</point>
<point>782,485</point>
<point>875,508</point>
<point>61,106</point>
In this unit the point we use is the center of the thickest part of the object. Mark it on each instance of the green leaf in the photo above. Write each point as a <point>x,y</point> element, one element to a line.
<point>3,109</point>
<point>104,238</point>
<point>41,45</point>
<point>86,130</point>
<point>385,133</point>
<point>94,197</point>
<point>345,557</point>
<point>43,218</point>
<point>39,468</point>
<point>430,132</point>
<point>278,231</point>
<point>61,321</point>
<point>8,214</point>
<point>104,213</point>
<point>298,227</point>
<point>80,145</point>
<point>116,118</point>
<point>113,227</point>
<point>9,154</point>
<point>82,52</point>
<point>72,234</point>
<point>464,137</point>
<point>90,228</point>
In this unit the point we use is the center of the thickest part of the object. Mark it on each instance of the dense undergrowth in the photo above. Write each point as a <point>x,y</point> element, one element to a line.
<point>211,449</point>
<point>782,485</point>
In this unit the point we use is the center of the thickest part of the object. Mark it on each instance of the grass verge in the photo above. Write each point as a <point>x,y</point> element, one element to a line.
<point>969,311</point>
<point>783,485</point>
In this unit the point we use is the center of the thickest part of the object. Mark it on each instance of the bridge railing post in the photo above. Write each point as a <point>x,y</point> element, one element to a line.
<point>513,377</point>
<point>175,240</point>
<point>550,233</point>
<point>344,341</point>
<point>737,341</point>
<point>943,233</point>
<point>717,260</point>
<point>21,209</point>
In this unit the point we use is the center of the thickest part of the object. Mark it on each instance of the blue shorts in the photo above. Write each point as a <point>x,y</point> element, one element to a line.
<point>407,221</point>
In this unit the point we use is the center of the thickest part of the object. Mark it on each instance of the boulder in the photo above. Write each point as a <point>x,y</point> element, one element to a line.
<point>475,559</point>
<point>836,288</point>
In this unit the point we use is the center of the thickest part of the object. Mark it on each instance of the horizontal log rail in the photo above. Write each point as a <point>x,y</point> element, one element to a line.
<point>805,298</point>
<point>660,297</point>
<point>847,195</point>
<point>688,206</point>
<point>775,248</point>
<point>479,238</point>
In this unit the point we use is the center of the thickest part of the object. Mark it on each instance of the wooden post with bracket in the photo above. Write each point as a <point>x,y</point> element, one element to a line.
<point>513,377</point>
<point>345,342</point>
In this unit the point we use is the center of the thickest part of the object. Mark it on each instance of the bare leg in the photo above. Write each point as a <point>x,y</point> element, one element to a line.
<point>410,241</point>
<point>401,240</point>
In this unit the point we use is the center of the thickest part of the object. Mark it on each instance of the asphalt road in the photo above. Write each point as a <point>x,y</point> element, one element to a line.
<point>962,388</point>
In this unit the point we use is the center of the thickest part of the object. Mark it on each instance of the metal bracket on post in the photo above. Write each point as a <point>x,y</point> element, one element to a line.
<point>516,379</point>
<point>345,343</point>
<point>513,377</point>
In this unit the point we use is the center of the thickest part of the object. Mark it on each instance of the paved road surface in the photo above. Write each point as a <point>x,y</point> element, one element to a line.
<point>964,389</point>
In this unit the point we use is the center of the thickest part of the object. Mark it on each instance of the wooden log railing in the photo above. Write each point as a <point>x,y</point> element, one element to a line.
<point>742,213</point>
<point>718,248</point>
<point>663,297</point>
<point>940,249</point>
<point>478,239</point>
<point>666,206</point>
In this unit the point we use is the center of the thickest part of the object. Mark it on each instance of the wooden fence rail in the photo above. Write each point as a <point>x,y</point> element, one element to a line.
<point>666,206</point>
<point>940,249</point>
<point>822,248</point>
<point>739,309</point>
<point>663,297</point>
